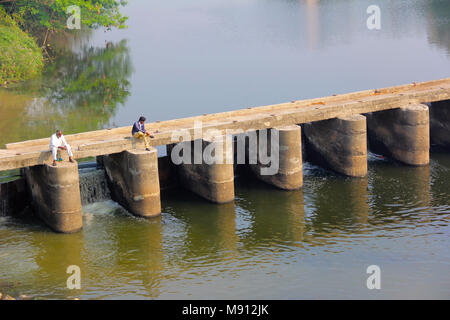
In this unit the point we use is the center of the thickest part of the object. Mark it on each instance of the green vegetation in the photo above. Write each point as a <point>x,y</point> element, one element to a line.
<point>79,91</point>
<point>20,57</point>
<point>95,77</point>
<point>26,27</point>
<point>43,18</point>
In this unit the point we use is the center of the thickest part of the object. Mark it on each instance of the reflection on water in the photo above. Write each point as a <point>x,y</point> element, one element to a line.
<point>336,208</point>
<point>267,244</point>
<point>400,19</point>
<point>79,92</point>
<point>438,30</point>
<point>274,219</point>
<point>313,26</point>
<point>191,58</point>
<point>96,77</point>
<point>208,56</point>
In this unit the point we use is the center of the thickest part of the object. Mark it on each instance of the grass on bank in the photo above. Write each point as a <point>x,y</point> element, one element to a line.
<point>20,57</point>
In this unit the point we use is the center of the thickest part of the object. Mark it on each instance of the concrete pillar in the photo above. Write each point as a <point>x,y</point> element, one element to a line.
<point>339,144</point>
<point>289,174</point>
<point>212,179</point>
<point>402,134</point>
<point>440,124</point>
<point>55,193</point>
<point>14,197</point>
<point>99,160</point>
<point>134,181</point>
<point>167,173</point>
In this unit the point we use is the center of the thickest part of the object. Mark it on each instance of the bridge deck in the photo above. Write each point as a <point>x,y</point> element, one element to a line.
<point>107,141</point>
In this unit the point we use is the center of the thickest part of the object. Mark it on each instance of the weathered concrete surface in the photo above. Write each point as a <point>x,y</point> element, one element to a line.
<point>14,197</point>
<point>55,195</point>
<point>339,144</point>
<point>99,160</point>
<point>289,175</point>
<point>167,173</point>
<point>402,134</point>
<point>440,124</point>
<point>214,182</point>
<point>101,142</point>
<point>134,181</point>
<point>93,186</point>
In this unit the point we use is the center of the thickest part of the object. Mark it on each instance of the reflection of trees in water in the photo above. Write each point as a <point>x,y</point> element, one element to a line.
<point>79,92</point>
<point>339,206</point>
<point>323,21</point>
<point>439,23</point>
<point>96,78</point>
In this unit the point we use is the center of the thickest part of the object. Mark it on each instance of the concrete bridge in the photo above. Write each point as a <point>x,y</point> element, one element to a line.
<point>398,121</point>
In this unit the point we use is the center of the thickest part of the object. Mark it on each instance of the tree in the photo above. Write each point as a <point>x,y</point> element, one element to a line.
<point>44,17</point>
<point>80,91</point>
<point>20,57</point>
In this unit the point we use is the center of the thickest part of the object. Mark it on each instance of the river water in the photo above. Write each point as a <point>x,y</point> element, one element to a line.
<point>182,58</point>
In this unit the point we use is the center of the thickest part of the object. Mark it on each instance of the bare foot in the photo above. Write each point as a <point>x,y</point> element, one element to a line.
<point>71,159</point>
<point>54,163</point>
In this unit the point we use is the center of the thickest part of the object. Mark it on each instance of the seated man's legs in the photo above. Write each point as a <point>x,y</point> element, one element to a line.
<point>141,135</point>
<point>146,142</point>
<point>54,153</point>
<point>69,150</point>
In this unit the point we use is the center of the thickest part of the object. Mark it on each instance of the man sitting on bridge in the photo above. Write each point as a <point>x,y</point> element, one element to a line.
<point>138,132</point>
<point>57,141</point>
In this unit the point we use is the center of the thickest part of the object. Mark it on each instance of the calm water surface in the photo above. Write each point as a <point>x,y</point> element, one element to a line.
<point>181,58</point>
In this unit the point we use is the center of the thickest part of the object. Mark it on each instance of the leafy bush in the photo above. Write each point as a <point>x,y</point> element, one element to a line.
<point>37,16</point>
<point>20,57</point>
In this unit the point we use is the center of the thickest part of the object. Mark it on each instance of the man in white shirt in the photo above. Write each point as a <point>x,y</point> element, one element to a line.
<point>57,141</point>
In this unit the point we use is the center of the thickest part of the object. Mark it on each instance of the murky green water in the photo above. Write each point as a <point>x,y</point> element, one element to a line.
<point>314,243</point>
<point>183,58</point>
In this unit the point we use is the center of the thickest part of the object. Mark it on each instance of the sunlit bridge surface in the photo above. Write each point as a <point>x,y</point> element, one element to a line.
<point>181,58</point>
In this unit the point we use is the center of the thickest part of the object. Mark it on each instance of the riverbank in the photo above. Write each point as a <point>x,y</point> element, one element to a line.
<point>21,58</point>
<point>27,27</point>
